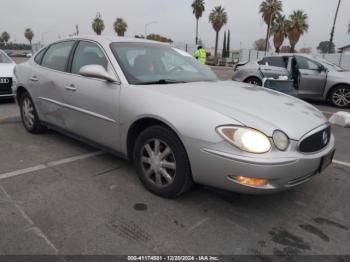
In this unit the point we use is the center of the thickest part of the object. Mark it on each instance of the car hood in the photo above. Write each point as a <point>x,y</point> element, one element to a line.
<point>6,69</point>
<point>255,107</point>
<point>340,75</point>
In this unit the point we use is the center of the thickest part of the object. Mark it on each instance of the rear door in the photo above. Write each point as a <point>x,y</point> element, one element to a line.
<point>312,77</point>
<point>273,66</point>
<point>92,105</point>
<point>47,81</point>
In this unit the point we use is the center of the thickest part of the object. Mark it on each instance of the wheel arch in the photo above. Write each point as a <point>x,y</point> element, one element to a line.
<point>141,124</point>
<point>253,76</point>
<point>20,91</point>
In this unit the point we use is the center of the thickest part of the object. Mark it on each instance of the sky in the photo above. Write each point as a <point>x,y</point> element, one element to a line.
<point>51,20</point>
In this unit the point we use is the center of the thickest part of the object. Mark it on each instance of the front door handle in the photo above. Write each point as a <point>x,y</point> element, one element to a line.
<point>71,88</point>
<point>34,79</point>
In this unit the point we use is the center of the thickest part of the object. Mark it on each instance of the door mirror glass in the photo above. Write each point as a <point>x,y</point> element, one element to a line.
<point>97,71</point>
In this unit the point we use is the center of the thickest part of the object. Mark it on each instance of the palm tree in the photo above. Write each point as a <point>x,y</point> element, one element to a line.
<point>279,31</point>
<point>5,37</point>
<point>269,9</point>
<point>218,18</point>
<point>98,25</point>
<point>333,28</point>
<point>198,9</point>
<point>28,33</point>
<point>120,26</point>
<point>297,25</point>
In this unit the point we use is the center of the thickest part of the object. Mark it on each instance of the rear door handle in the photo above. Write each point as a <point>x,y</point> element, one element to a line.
<point>34,79</point>
<point>71,88</point>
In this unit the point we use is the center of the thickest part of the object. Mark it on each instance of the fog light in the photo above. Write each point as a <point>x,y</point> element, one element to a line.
<point>248,181</point>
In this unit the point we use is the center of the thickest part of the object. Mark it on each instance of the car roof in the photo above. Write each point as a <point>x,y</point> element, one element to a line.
<point>111,39</point>
<point>288,55</point>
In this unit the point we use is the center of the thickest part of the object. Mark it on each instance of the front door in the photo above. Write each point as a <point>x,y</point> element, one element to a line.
<point>92,105</point>
<point>312,78</point>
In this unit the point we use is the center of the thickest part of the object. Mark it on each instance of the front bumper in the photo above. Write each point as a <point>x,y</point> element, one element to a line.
<point>7,96</point>
<point>218,164</point>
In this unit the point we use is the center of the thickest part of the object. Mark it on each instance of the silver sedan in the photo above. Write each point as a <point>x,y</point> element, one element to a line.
<point>156,106</point>
<point>314,78</point>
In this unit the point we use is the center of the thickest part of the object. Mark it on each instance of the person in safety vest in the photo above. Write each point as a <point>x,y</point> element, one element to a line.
<point>201,55</point>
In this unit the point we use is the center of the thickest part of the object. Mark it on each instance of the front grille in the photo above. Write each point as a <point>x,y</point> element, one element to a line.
<point>5,85</point>
<point>316,142</point>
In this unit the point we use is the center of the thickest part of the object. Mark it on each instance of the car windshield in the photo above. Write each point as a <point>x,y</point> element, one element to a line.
<point>329,65</point>
<point>148,63</point>
<point>4,58</point>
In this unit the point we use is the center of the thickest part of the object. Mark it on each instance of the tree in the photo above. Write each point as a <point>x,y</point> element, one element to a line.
<point>269,9</point>
<point>5,37</point>
<point>333,28</point>
<point>323,47</point>
<point>228,47</point>
<point>285,49</point>
<point>260,45</point>
<point>198,9</point>
<point>29,34</point>
<point>120,26</point>
<point>159,38</point>
<point>279,31</point>
<point>297,25</point>
<point>224,46</point>
<point>218,18</point>
<point>98,25</point>
<point>349,28</point>
<point>305,50</point>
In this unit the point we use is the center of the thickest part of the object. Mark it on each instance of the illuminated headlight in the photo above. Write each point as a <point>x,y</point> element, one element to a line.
<point>246,139</point>
<point>281,140</point>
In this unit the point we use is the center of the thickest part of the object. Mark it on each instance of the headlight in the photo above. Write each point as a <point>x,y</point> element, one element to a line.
<point>281,140</point>
<point>246,139</point>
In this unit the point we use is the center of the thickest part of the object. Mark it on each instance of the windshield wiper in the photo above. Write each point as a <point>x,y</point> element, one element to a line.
<point>162,82</point>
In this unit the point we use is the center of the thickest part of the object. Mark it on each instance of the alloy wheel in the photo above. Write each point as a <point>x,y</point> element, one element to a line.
<point>28,112</point>
<point>158,162</point>
<point>341,97</point>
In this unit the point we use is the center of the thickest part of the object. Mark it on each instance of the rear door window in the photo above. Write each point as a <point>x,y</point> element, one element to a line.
<point>57,55</point>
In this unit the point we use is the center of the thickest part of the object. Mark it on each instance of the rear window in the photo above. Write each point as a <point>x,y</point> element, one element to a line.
<point>56,56</point>
<point>274,61</point>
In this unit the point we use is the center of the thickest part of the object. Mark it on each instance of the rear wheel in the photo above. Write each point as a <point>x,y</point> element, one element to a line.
<point>340,96</point>
<point>161,162</point>
<point>29,115</point>
<point>254,81</point>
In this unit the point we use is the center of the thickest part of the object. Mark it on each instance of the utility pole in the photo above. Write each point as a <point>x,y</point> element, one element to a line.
<point>76,29</point>
<point>333,28</point>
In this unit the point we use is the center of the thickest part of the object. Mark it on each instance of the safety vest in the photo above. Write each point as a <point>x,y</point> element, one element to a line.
<point>201,56</point>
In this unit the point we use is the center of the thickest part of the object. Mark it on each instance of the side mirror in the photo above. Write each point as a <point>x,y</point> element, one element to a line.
<point>321,68</point>
<point>97,71</point>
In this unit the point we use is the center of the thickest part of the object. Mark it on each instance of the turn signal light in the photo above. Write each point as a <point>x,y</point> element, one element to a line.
<point>248,181</point>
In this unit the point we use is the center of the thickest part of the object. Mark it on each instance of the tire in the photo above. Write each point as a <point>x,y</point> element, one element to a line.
<point>340,96</point>
<point>254,81</point>
<point>29,115</point>
<point>168,176</point>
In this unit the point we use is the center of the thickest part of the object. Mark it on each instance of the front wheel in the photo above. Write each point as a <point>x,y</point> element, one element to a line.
<point>29,115</point>
<point>340,97</point>
<point>162,163</point>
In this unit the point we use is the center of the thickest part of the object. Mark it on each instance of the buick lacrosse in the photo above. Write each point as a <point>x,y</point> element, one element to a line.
<point>158,107</point>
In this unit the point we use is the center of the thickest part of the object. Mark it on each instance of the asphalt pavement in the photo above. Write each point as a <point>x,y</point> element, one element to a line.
<point>59,196</point>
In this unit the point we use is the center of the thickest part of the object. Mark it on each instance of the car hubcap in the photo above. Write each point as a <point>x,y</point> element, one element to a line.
<point>341,97</point>
<point>28,112</point>
<point>158,163</point>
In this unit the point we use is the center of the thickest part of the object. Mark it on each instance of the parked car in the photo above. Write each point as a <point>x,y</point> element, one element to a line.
<point>314,78</point>
<point>6,75</point>
<point>157,106</point>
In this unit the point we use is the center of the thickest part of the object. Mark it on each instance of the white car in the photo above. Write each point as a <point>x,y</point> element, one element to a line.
<point>6,75</point>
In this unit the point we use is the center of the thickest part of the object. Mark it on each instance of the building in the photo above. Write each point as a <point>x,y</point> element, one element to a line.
<point>345,49</point>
